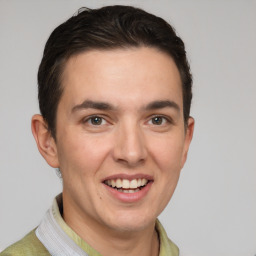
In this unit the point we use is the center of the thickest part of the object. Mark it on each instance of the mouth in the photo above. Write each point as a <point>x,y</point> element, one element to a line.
<point>127,186</point>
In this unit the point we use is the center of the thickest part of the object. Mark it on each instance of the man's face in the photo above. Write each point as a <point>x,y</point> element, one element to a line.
<point>120,137</point>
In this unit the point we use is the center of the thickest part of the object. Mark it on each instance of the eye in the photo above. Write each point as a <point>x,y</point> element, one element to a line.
<point>158,120</point>
<point>95,120</point>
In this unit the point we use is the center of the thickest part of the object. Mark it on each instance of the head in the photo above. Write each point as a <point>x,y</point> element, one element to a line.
<point>115,94</point>
<point>108,28</point>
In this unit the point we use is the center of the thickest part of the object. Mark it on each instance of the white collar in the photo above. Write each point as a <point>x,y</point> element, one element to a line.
<point>55,240</point>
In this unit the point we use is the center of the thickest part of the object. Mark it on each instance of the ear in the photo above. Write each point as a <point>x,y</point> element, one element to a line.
<point>188,138</point>
<point>44,140</point>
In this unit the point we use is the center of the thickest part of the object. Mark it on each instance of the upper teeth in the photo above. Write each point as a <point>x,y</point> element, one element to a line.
<point>124,183</point>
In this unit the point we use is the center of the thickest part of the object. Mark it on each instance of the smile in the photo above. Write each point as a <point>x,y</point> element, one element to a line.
<point>127,186</point>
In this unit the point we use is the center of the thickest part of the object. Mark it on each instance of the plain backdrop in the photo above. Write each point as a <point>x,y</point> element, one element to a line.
<point>213,211</point>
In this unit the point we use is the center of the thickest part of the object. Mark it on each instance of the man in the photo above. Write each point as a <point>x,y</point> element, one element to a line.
<point>114,95</point>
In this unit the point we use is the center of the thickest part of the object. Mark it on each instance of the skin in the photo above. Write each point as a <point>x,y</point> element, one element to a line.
<point>132,136</point>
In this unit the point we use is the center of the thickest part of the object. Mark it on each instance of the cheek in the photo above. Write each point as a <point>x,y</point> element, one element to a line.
<point>81,155</point>
<point>168,157</point>
<point>168,153</point>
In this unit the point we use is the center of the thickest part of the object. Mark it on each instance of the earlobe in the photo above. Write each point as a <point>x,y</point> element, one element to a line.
<point>44,140</point>
<point>188,138</point>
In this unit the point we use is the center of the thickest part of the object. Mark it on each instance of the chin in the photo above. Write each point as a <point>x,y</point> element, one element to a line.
<point>130,222</point>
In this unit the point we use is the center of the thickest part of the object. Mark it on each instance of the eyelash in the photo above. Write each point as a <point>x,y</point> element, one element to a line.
<point>164,120</point>
<point>90,118</point>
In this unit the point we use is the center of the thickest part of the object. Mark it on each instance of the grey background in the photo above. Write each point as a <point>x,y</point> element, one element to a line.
<point>213,211</point>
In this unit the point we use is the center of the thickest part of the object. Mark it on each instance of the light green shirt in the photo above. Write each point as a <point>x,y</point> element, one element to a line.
<point>30,244</point>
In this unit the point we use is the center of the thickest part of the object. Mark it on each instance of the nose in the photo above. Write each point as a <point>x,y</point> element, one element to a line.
<point>129,147</point>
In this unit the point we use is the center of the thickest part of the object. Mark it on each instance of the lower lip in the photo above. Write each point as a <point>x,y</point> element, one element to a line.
<point>129,197</point>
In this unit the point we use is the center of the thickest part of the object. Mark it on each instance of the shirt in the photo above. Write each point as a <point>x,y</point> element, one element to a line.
<point>54,237</point>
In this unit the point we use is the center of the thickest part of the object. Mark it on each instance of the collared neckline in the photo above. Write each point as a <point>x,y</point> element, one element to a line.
<point>167,247</point>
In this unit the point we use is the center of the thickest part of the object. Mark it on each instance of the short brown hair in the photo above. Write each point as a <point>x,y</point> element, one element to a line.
<point>110,27</point>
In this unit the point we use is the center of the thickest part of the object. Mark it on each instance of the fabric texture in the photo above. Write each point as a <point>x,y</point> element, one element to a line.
<point>27,246</point>
<point>54,237</point>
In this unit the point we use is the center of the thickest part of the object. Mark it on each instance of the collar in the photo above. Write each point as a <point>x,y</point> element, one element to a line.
<point>60,239</point>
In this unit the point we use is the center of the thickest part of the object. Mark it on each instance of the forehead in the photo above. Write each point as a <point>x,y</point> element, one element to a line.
<point>134,74</point>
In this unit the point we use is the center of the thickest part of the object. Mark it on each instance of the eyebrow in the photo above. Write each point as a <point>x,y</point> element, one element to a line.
<point>162,104</point>
<point>159,104</point>
<point>93,104</point>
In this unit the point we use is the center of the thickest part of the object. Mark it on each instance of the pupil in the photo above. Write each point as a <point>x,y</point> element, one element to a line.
<point>96,120</point>
<point>157,120</point>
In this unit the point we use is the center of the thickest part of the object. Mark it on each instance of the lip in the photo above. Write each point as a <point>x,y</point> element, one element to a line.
<point>129,197</point>
<point>129,177</point>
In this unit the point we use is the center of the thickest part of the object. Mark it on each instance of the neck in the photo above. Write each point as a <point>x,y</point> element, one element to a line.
<point>109,242</point>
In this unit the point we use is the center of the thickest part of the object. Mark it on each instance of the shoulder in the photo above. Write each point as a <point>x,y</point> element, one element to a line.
<point>27,246</point>
<point>167,247</point>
